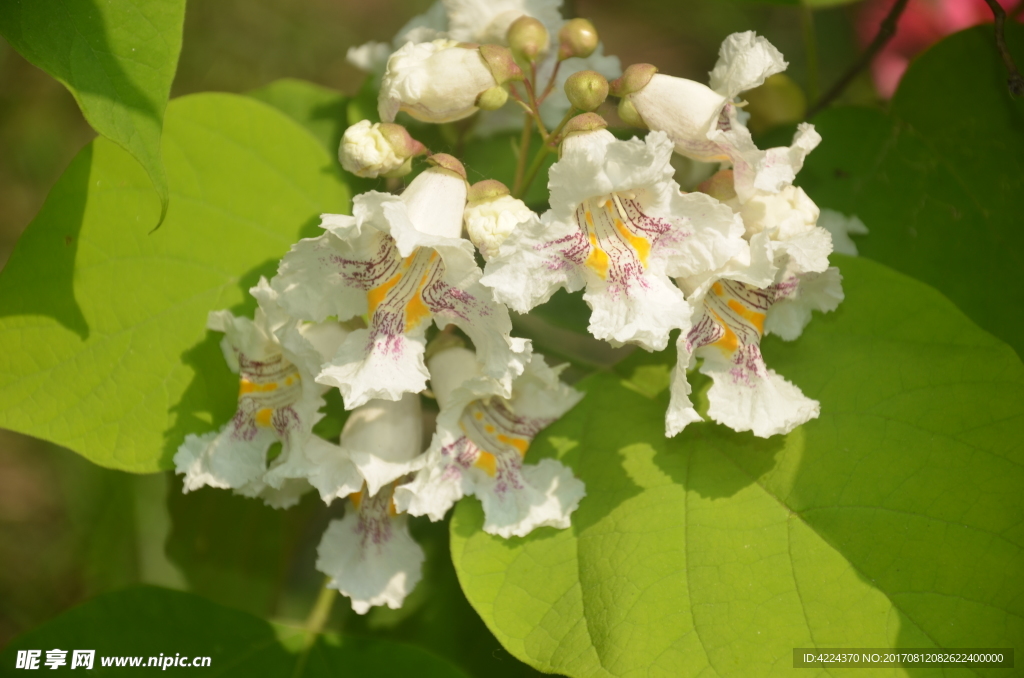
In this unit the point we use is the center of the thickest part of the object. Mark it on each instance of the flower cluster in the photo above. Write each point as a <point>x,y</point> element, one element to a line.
<point>389,305</point>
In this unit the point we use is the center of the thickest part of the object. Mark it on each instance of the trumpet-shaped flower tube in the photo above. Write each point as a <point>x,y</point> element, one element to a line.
<point>480,444</point>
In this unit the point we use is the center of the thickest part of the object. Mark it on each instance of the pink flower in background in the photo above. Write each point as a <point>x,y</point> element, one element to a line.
<point>922,23</point>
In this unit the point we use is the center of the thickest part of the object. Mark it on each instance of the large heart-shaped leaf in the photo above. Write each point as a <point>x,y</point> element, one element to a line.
<point>144,622</point>
<point>893,520</point>
<point>116,57</point>
<point>939,179</point>
<point>103,346</point>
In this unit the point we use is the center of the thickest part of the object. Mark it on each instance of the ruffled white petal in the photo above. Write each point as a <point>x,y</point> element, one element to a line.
<point>544,495</point>
<point>533,263</point>
<point>334,475</point>
<point>747,396</point>
<point>222,459</point>
<point>745,61</point>
<point>842,227</point>
<point>386,366</point>
<point>798,296</point>
<point>370,556</point>
<point>644,315</point>
<point>315,279</point>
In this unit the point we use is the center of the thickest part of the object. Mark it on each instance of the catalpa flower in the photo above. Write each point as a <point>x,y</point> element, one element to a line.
<point>399,262</point>
<point>618,226</point>
<point>786,278</point>
<point>787,223</point>
<point>276,358</point>
<point>369,554</point>
<point>480,444</point>
<point>704,123</point>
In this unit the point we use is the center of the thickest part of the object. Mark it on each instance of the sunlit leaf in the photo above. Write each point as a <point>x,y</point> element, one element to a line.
<point>144,622</point>
<point>893,520</point>
<point>103,346</point>
<point>938,180</point>
<point>117,58</point>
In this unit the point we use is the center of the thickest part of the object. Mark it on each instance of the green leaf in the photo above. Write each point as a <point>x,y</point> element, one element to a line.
<point>893,520</point>
<point>146,622</point>
<point>103,346</point>
<point>319,109</point>
<point>938,180</point>
<point>116,57</point>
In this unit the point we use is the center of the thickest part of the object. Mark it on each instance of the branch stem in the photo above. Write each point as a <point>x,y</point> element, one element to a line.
<point>1014,81</point>
<point>524,147</point>
<point>885,32</point>
<point>315,625</point>
<point>538,160</point>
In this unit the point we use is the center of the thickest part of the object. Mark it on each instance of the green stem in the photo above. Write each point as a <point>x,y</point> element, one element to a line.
<point>538,160</point>
<point>811,49</point>
<point>524,147</point>
<point>315,625</point>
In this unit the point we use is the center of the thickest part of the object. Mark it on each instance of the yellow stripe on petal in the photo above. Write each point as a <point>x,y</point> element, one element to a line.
<point>264,416</point>
<point>487,463</point>
<point>756,318</point>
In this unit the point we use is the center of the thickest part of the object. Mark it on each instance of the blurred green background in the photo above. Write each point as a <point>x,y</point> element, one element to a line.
<point>70,530</point>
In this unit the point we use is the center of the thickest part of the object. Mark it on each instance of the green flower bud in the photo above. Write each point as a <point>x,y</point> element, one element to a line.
<point>501,62</point>
<point>492,99</point>
<point>527,38</point>
<point>488,189</point>
<point>400,140</point>
<point>586,90</point>
<point>629,114</point>
<point>633,79</point>
<point>578,38</point>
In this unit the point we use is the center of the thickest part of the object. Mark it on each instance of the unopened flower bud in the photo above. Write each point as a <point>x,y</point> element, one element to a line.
<point>492,214</point>
<point>501,62</point>
<point>633,79</point>
<point>586,90</point>
<point>527,37</point>
<point>441,81</point>
<point>447,162</point>
<point>578,38</point>
<point>492,99</point>
<point>380,149</point>
<point>586,122</point>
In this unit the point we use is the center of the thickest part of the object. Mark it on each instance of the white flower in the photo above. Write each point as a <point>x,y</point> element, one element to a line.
<point>276,358</point>
<point>480,443</point>
<point>443,80</point>
<point>787,224</point>
<point>745,395</point>
<point>369,554</point>
<point>703,122</point>
<point>401,262</point>
<point>618,226</point>
<point>492,214</point>
<point>841,227</point>
<point>378,149</point>
<point>380,443</point>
